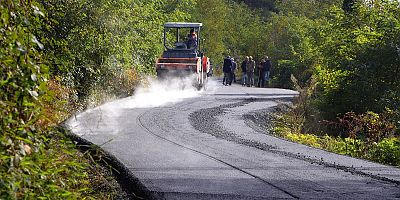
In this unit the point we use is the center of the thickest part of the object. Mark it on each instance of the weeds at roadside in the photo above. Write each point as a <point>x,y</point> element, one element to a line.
<point>52,168</point>
<point>386,151</point>
<point>367,135</point>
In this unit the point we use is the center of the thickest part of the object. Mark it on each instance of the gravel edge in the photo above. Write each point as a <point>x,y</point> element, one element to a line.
<point>252,119</point>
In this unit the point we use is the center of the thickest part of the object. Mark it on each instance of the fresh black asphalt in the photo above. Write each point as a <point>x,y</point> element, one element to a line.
<point>208,147</point>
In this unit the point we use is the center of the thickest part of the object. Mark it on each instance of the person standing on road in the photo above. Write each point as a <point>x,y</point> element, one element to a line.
<point>250,71</point>
<point>234,66</point>
<point>266,69</point>
<point>261,73</point>
<point>244,70</point>
<point>227,69</point>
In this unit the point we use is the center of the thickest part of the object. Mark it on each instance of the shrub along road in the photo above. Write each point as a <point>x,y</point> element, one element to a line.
<point>206,147</point>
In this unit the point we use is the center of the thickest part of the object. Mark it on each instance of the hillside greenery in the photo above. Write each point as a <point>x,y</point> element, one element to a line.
<point>344,60</point>
<point>58,58</point>
<point>61,57</point>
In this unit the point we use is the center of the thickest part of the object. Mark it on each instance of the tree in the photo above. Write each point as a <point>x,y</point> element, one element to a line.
<point>348,5</point>
<point>213,14</point>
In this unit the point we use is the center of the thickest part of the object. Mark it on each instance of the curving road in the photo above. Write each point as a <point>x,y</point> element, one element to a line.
<point>210,146</point>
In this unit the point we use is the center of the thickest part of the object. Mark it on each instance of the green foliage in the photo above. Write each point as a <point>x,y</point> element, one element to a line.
<point>33,164</point>
<point>97,43</point>
<point>290,45</point>
<point>265,6</point>
<point>370,127</point>
<point>27,167</point>
<point>230,28</point>
<point>306,139</point>
<point>55,54</point>
<point>363,47</point>
<point>308,8</point>
<point>352,57</point>
<point>214,27</point>
<point>386,151</point>
<point>42,168</point>
<point>244,33</point>
<point>22,77</point>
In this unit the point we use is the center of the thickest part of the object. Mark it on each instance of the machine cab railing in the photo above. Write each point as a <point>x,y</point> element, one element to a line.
<point>176,36</point>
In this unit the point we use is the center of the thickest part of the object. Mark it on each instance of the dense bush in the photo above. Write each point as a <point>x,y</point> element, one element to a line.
<point>362,48</point>
<point>231,28</point>
<point>54,55</point>
<point>33,163</point>
<point>343,61</point>
<point>369,126</point>
<point>387,151</point>
<point>57,57</point>
<point>353,57</point>
<point>102,48</point>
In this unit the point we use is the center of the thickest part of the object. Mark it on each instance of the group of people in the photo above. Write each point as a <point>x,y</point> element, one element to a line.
<point>248,68</point>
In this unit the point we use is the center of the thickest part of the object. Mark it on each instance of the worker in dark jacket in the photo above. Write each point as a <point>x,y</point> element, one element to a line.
<point>261,73</point>
<point>227,69</point>
<point>244,70</point>
<point>266,68</point>
<point>191,39</point>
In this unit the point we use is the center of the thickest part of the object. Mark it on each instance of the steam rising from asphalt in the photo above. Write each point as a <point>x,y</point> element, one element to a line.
<point>156,93</point>
<point>152,93</point>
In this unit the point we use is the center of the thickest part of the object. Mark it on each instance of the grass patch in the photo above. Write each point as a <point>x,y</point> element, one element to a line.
<point>385,151</point>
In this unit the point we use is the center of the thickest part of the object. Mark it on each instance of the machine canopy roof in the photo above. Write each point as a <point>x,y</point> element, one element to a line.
<point>182,25</point>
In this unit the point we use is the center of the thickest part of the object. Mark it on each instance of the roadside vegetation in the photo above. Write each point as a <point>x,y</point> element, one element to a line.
<point>36,160</point>
<point>61,57</point>
<point>341,55</point>
<point>344,60</point>
<point>58,58</point>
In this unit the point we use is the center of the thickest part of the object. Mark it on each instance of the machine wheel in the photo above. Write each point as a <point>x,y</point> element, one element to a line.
<point>199,87</point>
<point>162,74</point>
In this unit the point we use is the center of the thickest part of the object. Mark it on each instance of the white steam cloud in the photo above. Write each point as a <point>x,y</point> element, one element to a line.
<point>152,93</point>
<point>157,93</point>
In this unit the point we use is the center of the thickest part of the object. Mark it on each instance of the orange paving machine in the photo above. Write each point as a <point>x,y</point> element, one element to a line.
<point>182,56</point>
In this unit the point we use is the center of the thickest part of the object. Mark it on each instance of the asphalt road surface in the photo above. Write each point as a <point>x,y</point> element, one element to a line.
<point>210,146</point>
